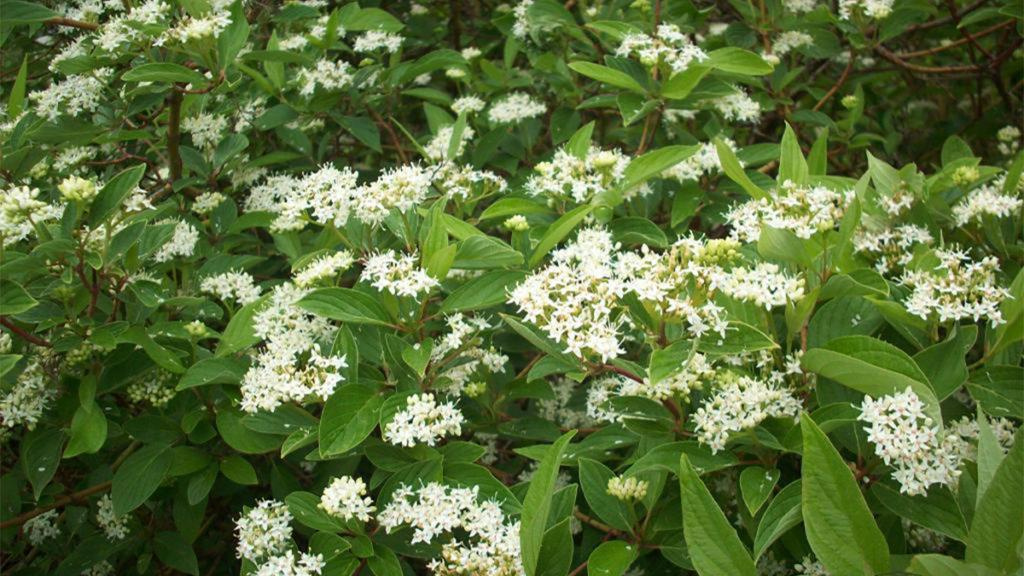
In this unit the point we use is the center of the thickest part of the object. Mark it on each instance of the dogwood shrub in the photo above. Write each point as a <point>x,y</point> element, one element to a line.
<point>602,287</point>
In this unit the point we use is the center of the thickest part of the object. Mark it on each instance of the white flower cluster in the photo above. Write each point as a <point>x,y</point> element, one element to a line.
<point>345,497</point>
<point>322,268</point>
<point>909,441</point>
<point>668,45</point>
<point>988,200</point>
<point>373,40</point>
<point>114,526</point>
<point>207,202</point>
<point>182,243</point>
<point>704,162</point>
<point>957,288</point>
<point>764,285</point>
<point>811,567</point>
<point>627,488</point>
<point>515,108</point>
<point>738,106</point>
<point>468,104</point>
<point>921,539</point>
<point>42,527</point>
<point>740,403</point>
<point>567,176</point>
<point>232,286</point>
<point>803,210</point>
<point>327,196</point>
<point>206,25</point>
<point>264,538</point>
<point>573,299</point>
<point>423,421</point>
<point>32,392</point>
<point>402,188</point>
<point>398,274</point>
<point>328,74</point>
<point>967,430</point>
<point>876,9</point>
<point>1009,140</point>
<point>21,211</point>
<point>437,148</point>
<point>893,248</point>
<point>205,129</point>
<point>76,94</point>
<point>77,189</point>
<point>132,27</point>
<point>521,27</point>
<point>464,182</point>
<point>791,40</point>
<point>482,540</point>
<point>279,374</point>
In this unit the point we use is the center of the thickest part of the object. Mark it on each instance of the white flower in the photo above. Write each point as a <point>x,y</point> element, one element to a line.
<point>398,274</point>
<point>482,541</point>
<point>811,567</point>
<point>764,285</point>
<point>77,189</point>
<point>567,176</point>
<point>468,104</point>
<point>738,106</point>
<point>791,40</point>
<point>909,441</point>
<point>1009,140</point>
<point>21,211</point>
<point>42,527</point>
<point>232,286</point>
<point>471,52</point>
<point>24,403</point>
<point>876,9</point>
<point>892,247</point>
<point>423,421</point>
<point>957,288</point>
<point>372,40</point>
<point>400,188</point>
<point>987,200</point>
<point>323,268</point>
<point>207,202</point>
<point>288,564</point>
<point>115,527</point>
<point>803,210</point>
<point>740,403</point>
<point>264,531</point>
<point>78,93</point>
<point>704,162</point>
<point>627,488</point>
<point>6,343</point>
<point>205,129</point>
<point>157,390</point>
<point>437,148</point>
<point>522,26</point>
<point>514,108</point>
<point>346,498</point>
<point>669,46</point>
<point>328,74</point>
<point>181,245</point>
<point>325,196</point>
<point>572,299</point>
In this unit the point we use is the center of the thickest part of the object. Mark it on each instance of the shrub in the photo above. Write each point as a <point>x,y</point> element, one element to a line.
<point>546,289</point>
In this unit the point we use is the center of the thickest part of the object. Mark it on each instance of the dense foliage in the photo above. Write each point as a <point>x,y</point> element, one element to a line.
<point>465,288</point>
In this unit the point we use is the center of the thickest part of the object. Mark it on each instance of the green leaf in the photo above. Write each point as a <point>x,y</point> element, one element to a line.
<point>714,546</point>
<point>163,72</point>
<point>40,455</point>
<point>109,199</point>
<point>239,333</point>
<point>557,232</point>
<point>14,299</point>
<point>611,559</point>
<point>579,144</point>
<point>485,291</point>
<point>307,511</point>
<point>17,97</point>
<point>556,550</point>
<point>837,521</point>
<point>537,504</point>
<point>347,305</point>
<point>139,477</point>
<point>945,363</point>
<point>782,514</point>
<point>999,390</point>
<point>607,75</point>
<point>739,338</point>
<point>998,524</point>
<point>594,478</point>
<point>938,565</point>
<point>18,12</point>
<point>485,253</point>
<point>238,470</point>
<point>213,371</point>
<point>792,164</point>
<point>680,85</point>
<point>937,510</point>
<point>653,163</point>
<point>88,431</point>
<point>873,367</point>
<point>990,455</point>
<point>174,551</point>
<point>756,485</point>
<point>734,170</point>
<point>242,439</point>
<point>737,61</point>
<point>349,416</point>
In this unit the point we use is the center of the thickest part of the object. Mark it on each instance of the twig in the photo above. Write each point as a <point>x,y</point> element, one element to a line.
<point>71,23</point>
<point>835,87</point>
<point>391,133</point>
<point>895,59</point>
<point>21,333</point>
<point>174,135</point>
<point>58,503</point>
